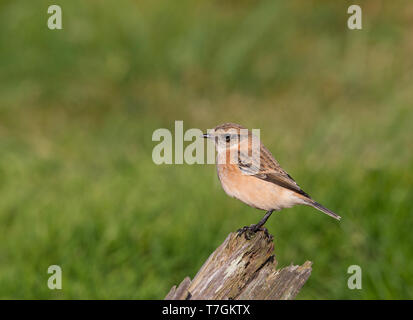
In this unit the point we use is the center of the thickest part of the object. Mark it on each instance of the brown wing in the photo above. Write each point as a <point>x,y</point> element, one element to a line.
<point>268,169</point>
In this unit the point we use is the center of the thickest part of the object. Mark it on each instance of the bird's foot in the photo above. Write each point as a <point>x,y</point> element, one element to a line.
<point>249,232</point>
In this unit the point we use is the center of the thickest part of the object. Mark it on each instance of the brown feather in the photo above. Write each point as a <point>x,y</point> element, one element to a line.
<point>269,170</point>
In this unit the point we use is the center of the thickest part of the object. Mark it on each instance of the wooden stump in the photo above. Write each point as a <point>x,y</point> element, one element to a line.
<point>243,267</point>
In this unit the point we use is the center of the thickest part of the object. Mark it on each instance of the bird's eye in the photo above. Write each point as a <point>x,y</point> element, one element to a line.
<point>227,138</point>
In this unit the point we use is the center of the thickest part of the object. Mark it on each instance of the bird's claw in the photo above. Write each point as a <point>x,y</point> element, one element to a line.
<point>249,231</point>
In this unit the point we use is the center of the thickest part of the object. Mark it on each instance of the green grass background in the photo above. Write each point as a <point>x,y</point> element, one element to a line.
<point>78,107</point>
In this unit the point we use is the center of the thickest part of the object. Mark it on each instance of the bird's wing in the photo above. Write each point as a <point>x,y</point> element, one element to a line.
<point>268,169</point>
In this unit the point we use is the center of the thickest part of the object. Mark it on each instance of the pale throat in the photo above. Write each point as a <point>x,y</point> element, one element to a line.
<point>229,155</point>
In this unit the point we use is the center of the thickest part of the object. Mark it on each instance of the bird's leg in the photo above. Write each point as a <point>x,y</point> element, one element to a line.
<point>255,227</point>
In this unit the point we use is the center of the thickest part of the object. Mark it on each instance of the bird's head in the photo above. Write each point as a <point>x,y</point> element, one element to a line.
<point>230,136</point>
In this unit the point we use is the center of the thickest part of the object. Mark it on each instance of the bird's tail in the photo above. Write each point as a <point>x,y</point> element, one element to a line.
<point>318,206</point>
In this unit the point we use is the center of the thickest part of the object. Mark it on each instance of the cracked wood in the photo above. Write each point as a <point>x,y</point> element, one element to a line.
<point>243,267</point>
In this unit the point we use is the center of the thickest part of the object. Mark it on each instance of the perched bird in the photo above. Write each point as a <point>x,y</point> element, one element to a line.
<point>248,172</point>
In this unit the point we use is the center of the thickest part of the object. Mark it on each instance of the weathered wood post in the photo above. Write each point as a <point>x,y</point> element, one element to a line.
<point>243,267</point>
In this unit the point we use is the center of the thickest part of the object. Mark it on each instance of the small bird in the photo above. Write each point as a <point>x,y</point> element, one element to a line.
<point>248,172</point>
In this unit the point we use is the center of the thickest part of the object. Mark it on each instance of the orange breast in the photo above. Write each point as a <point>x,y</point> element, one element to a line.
<point>253,191</point>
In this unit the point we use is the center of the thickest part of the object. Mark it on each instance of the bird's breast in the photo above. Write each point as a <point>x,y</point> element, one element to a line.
<point>253,191</point>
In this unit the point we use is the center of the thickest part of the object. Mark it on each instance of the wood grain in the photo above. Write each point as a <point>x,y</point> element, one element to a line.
<point>243,267</point>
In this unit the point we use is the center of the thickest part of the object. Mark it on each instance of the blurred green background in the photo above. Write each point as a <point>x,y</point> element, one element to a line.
<point>78,107</point>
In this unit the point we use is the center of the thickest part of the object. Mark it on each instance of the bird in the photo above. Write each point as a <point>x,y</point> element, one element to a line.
<point>249,172</point>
